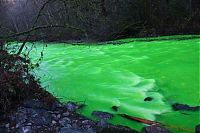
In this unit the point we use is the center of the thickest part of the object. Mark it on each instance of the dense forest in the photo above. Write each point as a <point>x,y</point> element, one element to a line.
<point>98,19</point>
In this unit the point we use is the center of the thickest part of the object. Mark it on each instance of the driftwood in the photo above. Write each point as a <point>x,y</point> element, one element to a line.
<point>141,120</point>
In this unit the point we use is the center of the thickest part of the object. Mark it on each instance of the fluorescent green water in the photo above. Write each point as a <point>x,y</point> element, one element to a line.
<point>124,75</point>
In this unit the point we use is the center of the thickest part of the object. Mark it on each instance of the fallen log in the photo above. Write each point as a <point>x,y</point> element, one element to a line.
<point>141,120</point>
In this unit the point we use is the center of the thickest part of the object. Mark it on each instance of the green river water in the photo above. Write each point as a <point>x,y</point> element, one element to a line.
<point>106,75</point>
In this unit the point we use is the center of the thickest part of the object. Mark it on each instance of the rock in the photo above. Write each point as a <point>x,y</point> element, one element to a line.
<point>65,122</point>
<point>39,117</point>
<point>102,123</point>
<point>155,129</point>
<point>116,129</point>
<point>56,105</point>
<point>26,129</point>
<point>68,130</point>
<point>20,116</point>
<point>18,125</point>
<point>197,129</point>
<point>115,108</point>
<point>102,115</point>
<point>53,122</point>
<point>71,106</point>
<point>185,107</point>
<point>29,124</point>
<point>148,99</point>
<point>65,114</point>
<point>86,122</point>
<point>7,125</point>
<point>33,104</point>
<point>58,116</point>
<point>71,130</point>
<point>54,116</point>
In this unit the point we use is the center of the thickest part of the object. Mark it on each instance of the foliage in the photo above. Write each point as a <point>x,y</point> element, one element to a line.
<point>15,81</point>
<point>54,20</point>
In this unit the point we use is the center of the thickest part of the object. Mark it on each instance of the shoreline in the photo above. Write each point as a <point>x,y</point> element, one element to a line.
<point>47,114</point>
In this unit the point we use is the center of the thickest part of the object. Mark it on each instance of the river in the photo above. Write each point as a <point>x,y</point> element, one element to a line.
<point>165,69</point>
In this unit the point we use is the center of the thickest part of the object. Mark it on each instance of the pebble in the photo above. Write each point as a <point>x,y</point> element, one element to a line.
<point>53,122</point>
<point>155,129</point>
<point>58,116</point>
<point>26,129</point>
<point>64,121</point>
<point>7,125</point>
<point>102,115</point>
<point>68,130</point>
<point>66,114</point>
<point>29,124</point>
<point>34,119</point>
<point>17,125</point>
<point>70,106</point>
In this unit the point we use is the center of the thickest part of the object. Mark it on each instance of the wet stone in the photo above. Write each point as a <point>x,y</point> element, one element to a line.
<point>102,115</point>
<point>70,106</point>
<point>66,114</point>
<point>26,129</point>
<point>115,108</point>
<point>185,107</point>
<point>33,104</point>
<point>116,129</point>
<point>155,129</point>
<point>65,121</point>
<point>68,130</point>
<point>147,99</point>
<point>102,123</point>
<point>18,125</point>
<point>86,122</point>
<point>58,116</point>
<point>39,117</point>
<point>7,125</point>
<point>53,122</point>
<point>56,105</point>
<point>197,129</point>
<point>29,124</point>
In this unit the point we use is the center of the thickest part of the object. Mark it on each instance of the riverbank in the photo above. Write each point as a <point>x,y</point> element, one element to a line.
<point>49,115</point>
<point>26,107</point>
